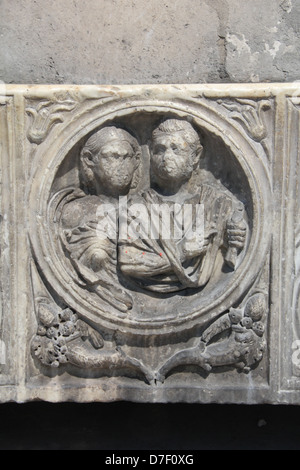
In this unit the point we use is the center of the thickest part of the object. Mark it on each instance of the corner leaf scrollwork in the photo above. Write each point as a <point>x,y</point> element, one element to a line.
<point>250,114</point>
<point>45,116</point>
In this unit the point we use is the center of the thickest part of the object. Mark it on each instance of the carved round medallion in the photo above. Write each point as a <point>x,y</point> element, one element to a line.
<point>145,170</point>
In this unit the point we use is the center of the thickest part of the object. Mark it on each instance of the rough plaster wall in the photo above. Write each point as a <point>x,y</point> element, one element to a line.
<point>149,41</point>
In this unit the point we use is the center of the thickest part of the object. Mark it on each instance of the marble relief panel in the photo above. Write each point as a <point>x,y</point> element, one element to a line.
<point>152,224</point>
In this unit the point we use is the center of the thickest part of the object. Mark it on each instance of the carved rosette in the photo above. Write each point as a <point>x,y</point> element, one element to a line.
<point>96,311</point>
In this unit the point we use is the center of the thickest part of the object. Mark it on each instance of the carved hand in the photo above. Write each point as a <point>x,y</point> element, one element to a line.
<point>195,247</point>
<point>98,259</point>
<point>236,236</point>
<point>236,231</point>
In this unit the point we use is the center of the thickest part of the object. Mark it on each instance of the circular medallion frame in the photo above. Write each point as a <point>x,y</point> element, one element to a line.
<point>204,306</point>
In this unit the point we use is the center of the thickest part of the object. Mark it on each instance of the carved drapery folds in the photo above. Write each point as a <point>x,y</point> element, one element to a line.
<point>149,235</point>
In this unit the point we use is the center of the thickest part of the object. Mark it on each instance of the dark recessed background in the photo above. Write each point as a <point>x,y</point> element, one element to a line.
<point>165,427</point>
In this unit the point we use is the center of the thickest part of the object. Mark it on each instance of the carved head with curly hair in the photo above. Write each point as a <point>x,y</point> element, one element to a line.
<point>175,153</point>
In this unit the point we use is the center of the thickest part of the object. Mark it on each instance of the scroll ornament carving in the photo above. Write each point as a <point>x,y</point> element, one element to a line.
<point>62,339</point>
<point>242,347</point>
<point>235,339</point>
<point>45,115</point>
<point>250,114</point>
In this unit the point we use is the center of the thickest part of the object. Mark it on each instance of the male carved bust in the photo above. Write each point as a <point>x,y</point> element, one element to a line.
<point>168,263</point>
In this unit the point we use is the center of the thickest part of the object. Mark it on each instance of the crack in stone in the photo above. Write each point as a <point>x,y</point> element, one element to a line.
<point>221,9</point>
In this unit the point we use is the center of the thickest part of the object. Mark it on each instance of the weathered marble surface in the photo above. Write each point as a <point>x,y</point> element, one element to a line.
<point>90,314</point>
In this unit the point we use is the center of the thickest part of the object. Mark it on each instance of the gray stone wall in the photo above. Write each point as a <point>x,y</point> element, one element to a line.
<point>149,41</point>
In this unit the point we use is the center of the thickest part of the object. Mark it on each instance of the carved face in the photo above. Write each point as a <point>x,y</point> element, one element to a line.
<point>113,167</point>
<point>172,160</point>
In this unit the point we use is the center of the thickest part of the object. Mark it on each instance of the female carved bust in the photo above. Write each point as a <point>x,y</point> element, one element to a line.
<point>108,163</point>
